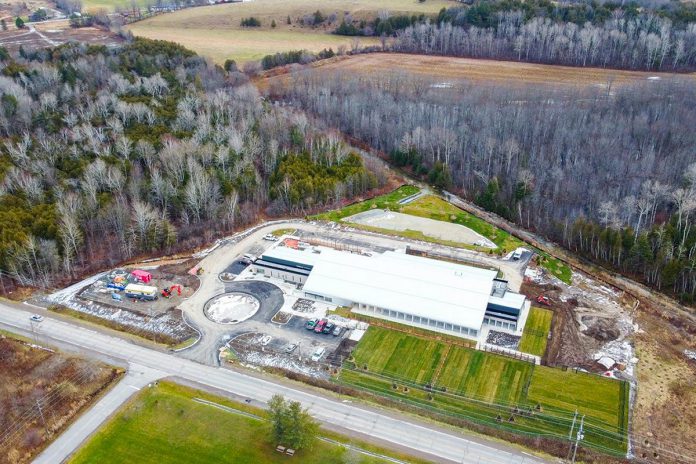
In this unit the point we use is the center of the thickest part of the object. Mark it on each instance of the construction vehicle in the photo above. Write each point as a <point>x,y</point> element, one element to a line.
<point>541,299</point>
<point>167,292</point>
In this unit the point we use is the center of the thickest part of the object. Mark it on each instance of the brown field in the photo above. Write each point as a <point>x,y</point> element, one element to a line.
<point>62,385</point>
<point>54,33</point>
<point>665,408</point>
<point>452,69</point>
<point>215,31</point>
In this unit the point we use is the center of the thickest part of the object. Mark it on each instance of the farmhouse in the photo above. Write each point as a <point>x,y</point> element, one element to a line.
<point>422,292</point>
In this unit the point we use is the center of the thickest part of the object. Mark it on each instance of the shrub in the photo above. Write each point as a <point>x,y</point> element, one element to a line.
<point>251,22</point>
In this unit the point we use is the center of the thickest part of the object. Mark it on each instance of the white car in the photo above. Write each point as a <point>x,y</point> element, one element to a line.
<point>270,237</point>
<point>318,353</point>
<point>36,318</point>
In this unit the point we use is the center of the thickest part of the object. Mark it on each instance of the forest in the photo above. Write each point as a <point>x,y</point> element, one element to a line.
<point>111,153</point>
<point>607,171</point>
<point>645,41</point>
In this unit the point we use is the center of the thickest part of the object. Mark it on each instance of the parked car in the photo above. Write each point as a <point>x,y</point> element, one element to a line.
<point>320,326</point>
<point>318,353</point>
<point>270,237</point>
<point>311,324</point>
<point>290,348</point>
<point>516,255</point>
<point>338,330</point>
<point>36,318</point>
<point>328,328</point>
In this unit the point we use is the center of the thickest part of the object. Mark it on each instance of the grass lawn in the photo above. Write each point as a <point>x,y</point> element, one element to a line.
<point>485,388</point>
<point>536,331</point>
<point>281,232</point>
<point>484,376</point>
<point>164,425</point>
<point>595,396</point>
<point>392,353</point>
<point>386,201</point>
<point>556,267</point>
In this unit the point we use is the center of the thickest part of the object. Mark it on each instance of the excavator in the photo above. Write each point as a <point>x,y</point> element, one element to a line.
<point>168,292</point>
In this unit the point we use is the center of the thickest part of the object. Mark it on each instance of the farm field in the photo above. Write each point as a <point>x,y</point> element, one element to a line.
<point>165,425</point>
<point>215,31</point>
<point>488,389</point>
<point>536,331</point>
<point>482,71</point>
<point>63,385</point>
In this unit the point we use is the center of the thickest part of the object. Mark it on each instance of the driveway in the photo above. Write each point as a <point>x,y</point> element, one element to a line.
<point>230,250</point>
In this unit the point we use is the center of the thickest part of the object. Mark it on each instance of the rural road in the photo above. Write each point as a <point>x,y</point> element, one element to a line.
<point>70,440</point>
<point>405,432</point>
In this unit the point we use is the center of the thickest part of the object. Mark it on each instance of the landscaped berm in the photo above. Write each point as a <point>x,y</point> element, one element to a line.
<point>488,389</point>
<point>171,424</point>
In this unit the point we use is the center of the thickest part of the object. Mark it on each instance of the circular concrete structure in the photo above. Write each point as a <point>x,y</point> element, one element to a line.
<point>231,308</point>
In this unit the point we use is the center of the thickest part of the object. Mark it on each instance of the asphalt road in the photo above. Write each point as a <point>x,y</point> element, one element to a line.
<point>402,431</point>
<point>70,440</point>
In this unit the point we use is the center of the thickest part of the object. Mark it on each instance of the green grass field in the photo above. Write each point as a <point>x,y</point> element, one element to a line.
<point>484,376</point>
<point>164,425</point>
<point>386,201</point>
<point>392,353</point>
<point>215,31</point>
<point>536,331</point>
<point>486,388</point>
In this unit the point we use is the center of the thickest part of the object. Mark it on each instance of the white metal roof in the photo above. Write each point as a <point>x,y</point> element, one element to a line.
<point>439,290</point>
<point>307,256</point>
<point>509,300</point>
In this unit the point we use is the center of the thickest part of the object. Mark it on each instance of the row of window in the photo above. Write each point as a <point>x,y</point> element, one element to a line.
<point>498,323</point>
<point>286,276</point>
<point>417,320</point>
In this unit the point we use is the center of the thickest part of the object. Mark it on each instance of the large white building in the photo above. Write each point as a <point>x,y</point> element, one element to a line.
<point>412,290</point>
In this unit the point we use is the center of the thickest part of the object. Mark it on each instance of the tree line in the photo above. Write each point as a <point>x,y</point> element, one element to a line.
<point>607,171</point>
<point>110,153</point>
<point>646,41</point>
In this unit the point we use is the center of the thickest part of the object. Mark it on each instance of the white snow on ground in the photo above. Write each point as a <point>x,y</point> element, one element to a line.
<point>258,358</point>
<point>437,229</point>
<point>532,274</point>
<point>68,293</point>
<point>620,351</point>
<point>232,308</point>
<point>356,335</point>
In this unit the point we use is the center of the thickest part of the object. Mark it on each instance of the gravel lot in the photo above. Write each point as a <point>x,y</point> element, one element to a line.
<point>430,227</point>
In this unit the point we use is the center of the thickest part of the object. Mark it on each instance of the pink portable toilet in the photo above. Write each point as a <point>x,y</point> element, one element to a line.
<point>142,276</point>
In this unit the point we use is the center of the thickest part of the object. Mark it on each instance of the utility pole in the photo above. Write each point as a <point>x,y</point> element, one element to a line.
<point>570,434</point>
<point>579,437</point>
<point>33,332</point>
<point>43,419</point>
